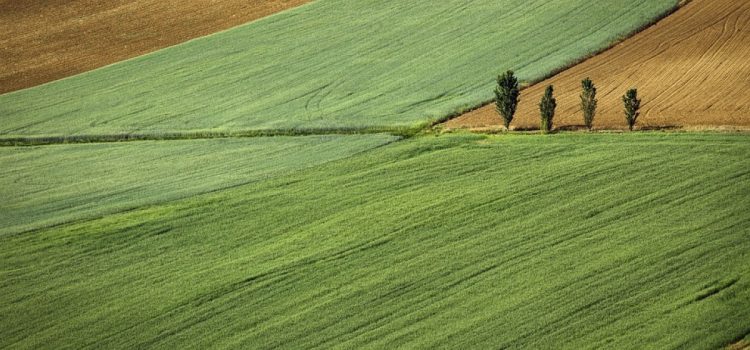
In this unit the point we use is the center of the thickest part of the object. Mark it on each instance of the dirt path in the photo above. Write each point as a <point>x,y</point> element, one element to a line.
<point>692,70</point>
<point>45,40</point>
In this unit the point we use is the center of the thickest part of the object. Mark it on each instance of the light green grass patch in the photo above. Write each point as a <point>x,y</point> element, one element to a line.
<point>462,241</point>
<point>54,184</point>
<point>329,65</point>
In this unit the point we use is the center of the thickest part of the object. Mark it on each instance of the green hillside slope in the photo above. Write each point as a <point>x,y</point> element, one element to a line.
<point>55,184</point>
<point>565,241</point>
<point>331,64</point>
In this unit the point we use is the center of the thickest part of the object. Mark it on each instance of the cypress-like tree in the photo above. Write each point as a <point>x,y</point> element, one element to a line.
<point>506,97</point>
<point>632,107</point>
<point>547,109</point>
<point>588,102</point>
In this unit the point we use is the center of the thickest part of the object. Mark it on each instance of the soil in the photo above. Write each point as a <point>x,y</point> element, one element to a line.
<point>692,70</point>
<point>740,345</point>
<point>46,40</point>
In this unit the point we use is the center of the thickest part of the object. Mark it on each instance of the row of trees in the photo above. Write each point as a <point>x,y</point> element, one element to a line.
<point>507,95</point>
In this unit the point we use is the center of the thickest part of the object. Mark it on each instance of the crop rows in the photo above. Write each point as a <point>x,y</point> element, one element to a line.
<point>586,241</point>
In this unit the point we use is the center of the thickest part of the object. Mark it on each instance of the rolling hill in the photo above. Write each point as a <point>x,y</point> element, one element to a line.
<point>329,65</point>
<point>199,233</point>
<point>565,241</point>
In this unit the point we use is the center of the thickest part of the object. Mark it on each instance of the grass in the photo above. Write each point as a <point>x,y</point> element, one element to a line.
<point>331,64</point>
<point>49,185</point>
<point>636,240</point>
<point>40,140</point>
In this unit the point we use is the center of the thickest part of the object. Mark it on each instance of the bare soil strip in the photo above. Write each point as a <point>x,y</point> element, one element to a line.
<point>692,70</point>
<point>740,345</point>
<point>45,40</point>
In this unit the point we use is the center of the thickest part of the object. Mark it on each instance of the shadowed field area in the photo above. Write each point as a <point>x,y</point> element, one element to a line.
<point>461,241</point>
<point>691,69</point>
<point>50,185</point>
<point>45,40</point>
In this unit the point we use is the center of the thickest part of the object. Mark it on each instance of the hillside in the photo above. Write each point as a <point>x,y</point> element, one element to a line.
<point>566,241</point>
<point>691,69</point>
<point>329,65</point>
<point>47,40</point>
<point>278,185</point>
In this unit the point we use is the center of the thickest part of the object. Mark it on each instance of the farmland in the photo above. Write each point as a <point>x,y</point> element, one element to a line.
<point>311,68</point>
<point>692,70</point>
<point>570,240</point>
<point>48,40</point>
<point>282,183</point>
<point>50,185</point>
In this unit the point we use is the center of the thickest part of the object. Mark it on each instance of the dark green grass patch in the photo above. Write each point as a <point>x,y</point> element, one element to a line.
<point>458,241</point>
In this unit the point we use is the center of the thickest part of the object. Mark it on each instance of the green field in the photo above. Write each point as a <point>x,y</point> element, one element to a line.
<point>329,65</point>
<point>200,235</point>
<point>49,185</point>
<point>459,241</point>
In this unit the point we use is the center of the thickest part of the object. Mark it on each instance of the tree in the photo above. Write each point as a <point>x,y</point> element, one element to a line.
<point>588,102</point>
<point>632,107</point>
<point>547,109</point>
<point>506,97</point>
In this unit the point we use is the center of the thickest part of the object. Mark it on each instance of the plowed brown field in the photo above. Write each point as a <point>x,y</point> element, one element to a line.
<point>45,40</point>
<point>691,69</point>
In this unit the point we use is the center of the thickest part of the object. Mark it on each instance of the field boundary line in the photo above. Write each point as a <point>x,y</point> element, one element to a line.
<point>525,84</point>
<point>15,141</point>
